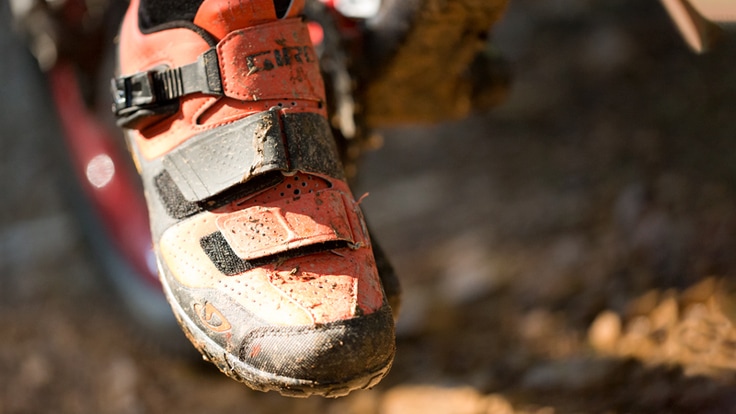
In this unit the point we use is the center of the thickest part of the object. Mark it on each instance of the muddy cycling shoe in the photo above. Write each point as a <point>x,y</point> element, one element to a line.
<point>262,249</point>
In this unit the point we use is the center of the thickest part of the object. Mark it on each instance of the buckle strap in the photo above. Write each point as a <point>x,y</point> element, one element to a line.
<point>156,91</point>
<point>271,61</point>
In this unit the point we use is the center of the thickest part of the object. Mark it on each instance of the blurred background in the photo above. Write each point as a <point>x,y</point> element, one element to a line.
<point>569,252</point>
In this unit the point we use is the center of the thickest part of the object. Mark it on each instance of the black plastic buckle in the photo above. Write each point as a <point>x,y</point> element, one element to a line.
<point>137,90</point>
<point>157,91</point>
<point>139,97</point>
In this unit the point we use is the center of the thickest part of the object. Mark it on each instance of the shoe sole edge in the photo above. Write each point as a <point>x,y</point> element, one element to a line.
<point>260,380</point>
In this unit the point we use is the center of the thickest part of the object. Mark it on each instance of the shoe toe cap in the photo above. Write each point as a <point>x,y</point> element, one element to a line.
<point>338,352</point>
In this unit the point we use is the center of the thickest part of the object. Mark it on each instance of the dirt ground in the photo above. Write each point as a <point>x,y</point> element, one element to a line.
<point>571,251</point>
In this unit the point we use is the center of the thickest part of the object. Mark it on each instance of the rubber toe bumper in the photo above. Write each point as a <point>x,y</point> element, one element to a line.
<point>335,353</point>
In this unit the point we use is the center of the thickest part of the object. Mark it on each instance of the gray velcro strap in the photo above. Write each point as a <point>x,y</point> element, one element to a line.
<point>216,160</point>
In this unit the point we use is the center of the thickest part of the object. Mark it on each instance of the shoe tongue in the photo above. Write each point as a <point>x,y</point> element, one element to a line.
<point>220,17</point>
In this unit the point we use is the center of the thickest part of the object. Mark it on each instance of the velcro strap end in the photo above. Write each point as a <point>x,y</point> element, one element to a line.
<point>261,231</point>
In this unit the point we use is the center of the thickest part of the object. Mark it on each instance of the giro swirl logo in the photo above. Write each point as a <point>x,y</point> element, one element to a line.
<point>211,317</point>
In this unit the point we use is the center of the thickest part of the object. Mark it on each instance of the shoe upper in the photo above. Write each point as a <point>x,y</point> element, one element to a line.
<point>261,245</point>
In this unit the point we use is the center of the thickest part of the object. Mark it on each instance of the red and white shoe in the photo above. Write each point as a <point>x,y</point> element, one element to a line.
<point>262,250</point>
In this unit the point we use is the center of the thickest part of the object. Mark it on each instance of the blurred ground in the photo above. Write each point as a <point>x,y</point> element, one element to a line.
<point>555,253</point>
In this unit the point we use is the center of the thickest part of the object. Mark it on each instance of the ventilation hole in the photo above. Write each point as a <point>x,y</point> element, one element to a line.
<point>296,192</point>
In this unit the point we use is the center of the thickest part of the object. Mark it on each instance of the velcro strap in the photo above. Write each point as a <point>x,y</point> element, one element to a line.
<point>218,159</point>
<point>260,231</point>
